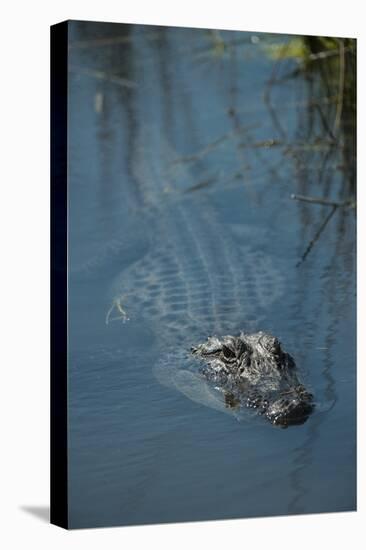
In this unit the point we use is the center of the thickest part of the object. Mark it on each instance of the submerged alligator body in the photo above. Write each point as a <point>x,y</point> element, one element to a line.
<point>206,273</point>
<point>253,370</point>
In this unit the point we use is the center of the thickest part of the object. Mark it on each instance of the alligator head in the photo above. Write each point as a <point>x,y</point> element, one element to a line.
<point>254,371</point>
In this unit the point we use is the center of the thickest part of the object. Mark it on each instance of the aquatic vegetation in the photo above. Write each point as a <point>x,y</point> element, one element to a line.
<point>295,48</point>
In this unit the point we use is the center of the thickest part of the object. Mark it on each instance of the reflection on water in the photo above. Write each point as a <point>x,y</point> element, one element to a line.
<point>185,148</point>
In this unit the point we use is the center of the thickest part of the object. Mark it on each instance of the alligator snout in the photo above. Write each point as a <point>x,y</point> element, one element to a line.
<point>291,409</point>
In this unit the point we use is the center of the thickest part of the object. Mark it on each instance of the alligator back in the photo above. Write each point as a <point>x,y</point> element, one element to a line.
<point>199,277</point>
<point>202,275</point>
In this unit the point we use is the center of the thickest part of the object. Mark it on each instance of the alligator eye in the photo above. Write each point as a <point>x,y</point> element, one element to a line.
<point>273,345</point>
<point>228,353</point>
<point>242,348</point>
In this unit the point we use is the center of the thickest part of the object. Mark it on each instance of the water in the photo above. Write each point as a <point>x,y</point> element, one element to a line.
<point>181,225</point>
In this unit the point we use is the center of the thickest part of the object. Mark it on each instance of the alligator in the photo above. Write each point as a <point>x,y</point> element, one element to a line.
<point>254,371</point>
<point>205,274</point>
<point>180,294</point>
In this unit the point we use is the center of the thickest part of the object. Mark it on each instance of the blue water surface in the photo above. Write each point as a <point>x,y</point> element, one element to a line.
<point>182,161</point>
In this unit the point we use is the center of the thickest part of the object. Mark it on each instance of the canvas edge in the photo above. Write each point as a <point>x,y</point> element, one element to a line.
<point>58,252</point>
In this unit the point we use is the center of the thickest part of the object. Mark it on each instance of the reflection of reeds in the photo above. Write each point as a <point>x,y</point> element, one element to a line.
<point>212,146</point>
<point>106,41</point>
<point>327,129</point>
<point>320,200</point>
<point>339,108</point>
<point>102,75</point>
<point>324,202</point>
<point>99,42</point>
<point>317,235</point>
<point>336,74</point>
